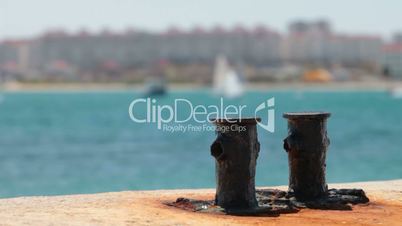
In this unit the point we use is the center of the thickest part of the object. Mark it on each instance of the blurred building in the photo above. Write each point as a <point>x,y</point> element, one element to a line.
<point>392,60</point>
<point>15,59</point>
<point>315,43</point>
<point>397,37</point>
<point>90,51</point>
<point>74,56</point>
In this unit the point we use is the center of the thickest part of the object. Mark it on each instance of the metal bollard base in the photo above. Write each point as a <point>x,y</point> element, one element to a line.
<point>273,202</point>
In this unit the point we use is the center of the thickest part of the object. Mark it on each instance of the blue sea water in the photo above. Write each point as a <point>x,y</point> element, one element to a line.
<point>66,143</point>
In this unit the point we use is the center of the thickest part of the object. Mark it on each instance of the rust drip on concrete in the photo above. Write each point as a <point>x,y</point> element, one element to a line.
<point>273,202</point>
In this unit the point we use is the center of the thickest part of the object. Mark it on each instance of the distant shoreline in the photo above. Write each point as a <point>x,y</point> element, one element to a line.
<point>277,86</point>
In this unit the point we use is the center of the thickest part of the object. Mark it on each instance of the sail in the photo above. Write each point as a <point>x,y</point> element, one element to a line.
<point>221,67</point>
<point>227,82</point>
<point>396,93</point>
<point>232,85</point>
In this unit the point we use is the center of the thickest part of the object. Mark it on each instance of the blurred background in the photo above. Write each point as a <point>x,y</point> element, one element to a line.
<point>69,70</point>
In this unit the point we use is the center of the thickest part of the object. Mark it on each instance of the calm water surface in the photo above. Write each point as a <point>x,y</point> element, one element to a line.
<point>64,143</point>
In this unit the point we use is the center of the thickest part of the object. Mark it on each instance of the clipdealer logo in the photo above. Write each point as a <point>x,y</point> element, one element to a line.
<point>167,117</point>
<point>269,107</point>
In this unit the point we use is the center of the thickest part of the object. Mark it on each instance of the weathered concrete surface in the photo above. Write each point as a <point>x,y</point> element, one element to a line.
<point>146,208</point>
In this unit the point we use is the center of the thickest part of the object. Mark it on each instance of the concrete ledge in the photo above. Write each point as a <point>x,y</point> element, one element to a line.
<point>146,208</point>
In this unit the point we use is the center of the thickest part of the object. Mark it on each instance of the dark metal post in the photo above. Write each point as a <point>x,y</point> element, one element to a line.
<point>306,146</point>
<point>236,150</point>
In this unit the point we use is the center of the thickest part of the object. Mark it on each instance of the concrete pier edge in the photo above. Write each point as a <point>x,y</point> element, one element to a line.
<point>147,208</point>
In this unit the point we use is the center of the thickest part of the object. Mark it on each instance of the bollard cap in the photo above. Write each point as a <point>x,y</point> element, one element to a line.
<point>235,120</point>
<point>307,115</point>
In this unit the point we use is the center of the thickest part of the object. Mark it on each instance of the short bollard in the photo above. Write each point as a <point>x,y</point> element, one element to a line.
<point>236,150</point>
<point>306,146</point>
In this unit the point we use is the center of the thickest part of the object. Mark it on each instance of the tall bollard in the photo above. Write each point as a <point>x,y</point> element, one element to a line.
<point>306,146</point>
<point>236,150</point>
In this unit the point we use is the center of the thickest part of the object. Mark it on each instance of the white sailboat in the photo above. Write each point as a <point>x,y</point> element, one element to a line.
<point>396,93</point>
<point>227,82</point>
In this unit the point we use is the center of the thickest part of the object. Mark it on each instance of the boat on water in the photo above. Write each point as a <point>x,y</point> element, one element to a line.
<point>155,87</point>
<point>396,93</point>
<point>227,82</point>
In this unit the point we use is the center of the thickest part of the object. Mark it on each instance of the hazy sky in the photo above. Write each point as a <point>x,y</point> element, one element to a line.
<point>21,18</point>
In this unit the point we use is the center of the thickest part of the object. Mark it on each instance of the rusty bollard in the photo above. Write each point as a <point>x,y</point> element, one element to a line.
<point>306,146</point>
<point>236,150</point>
